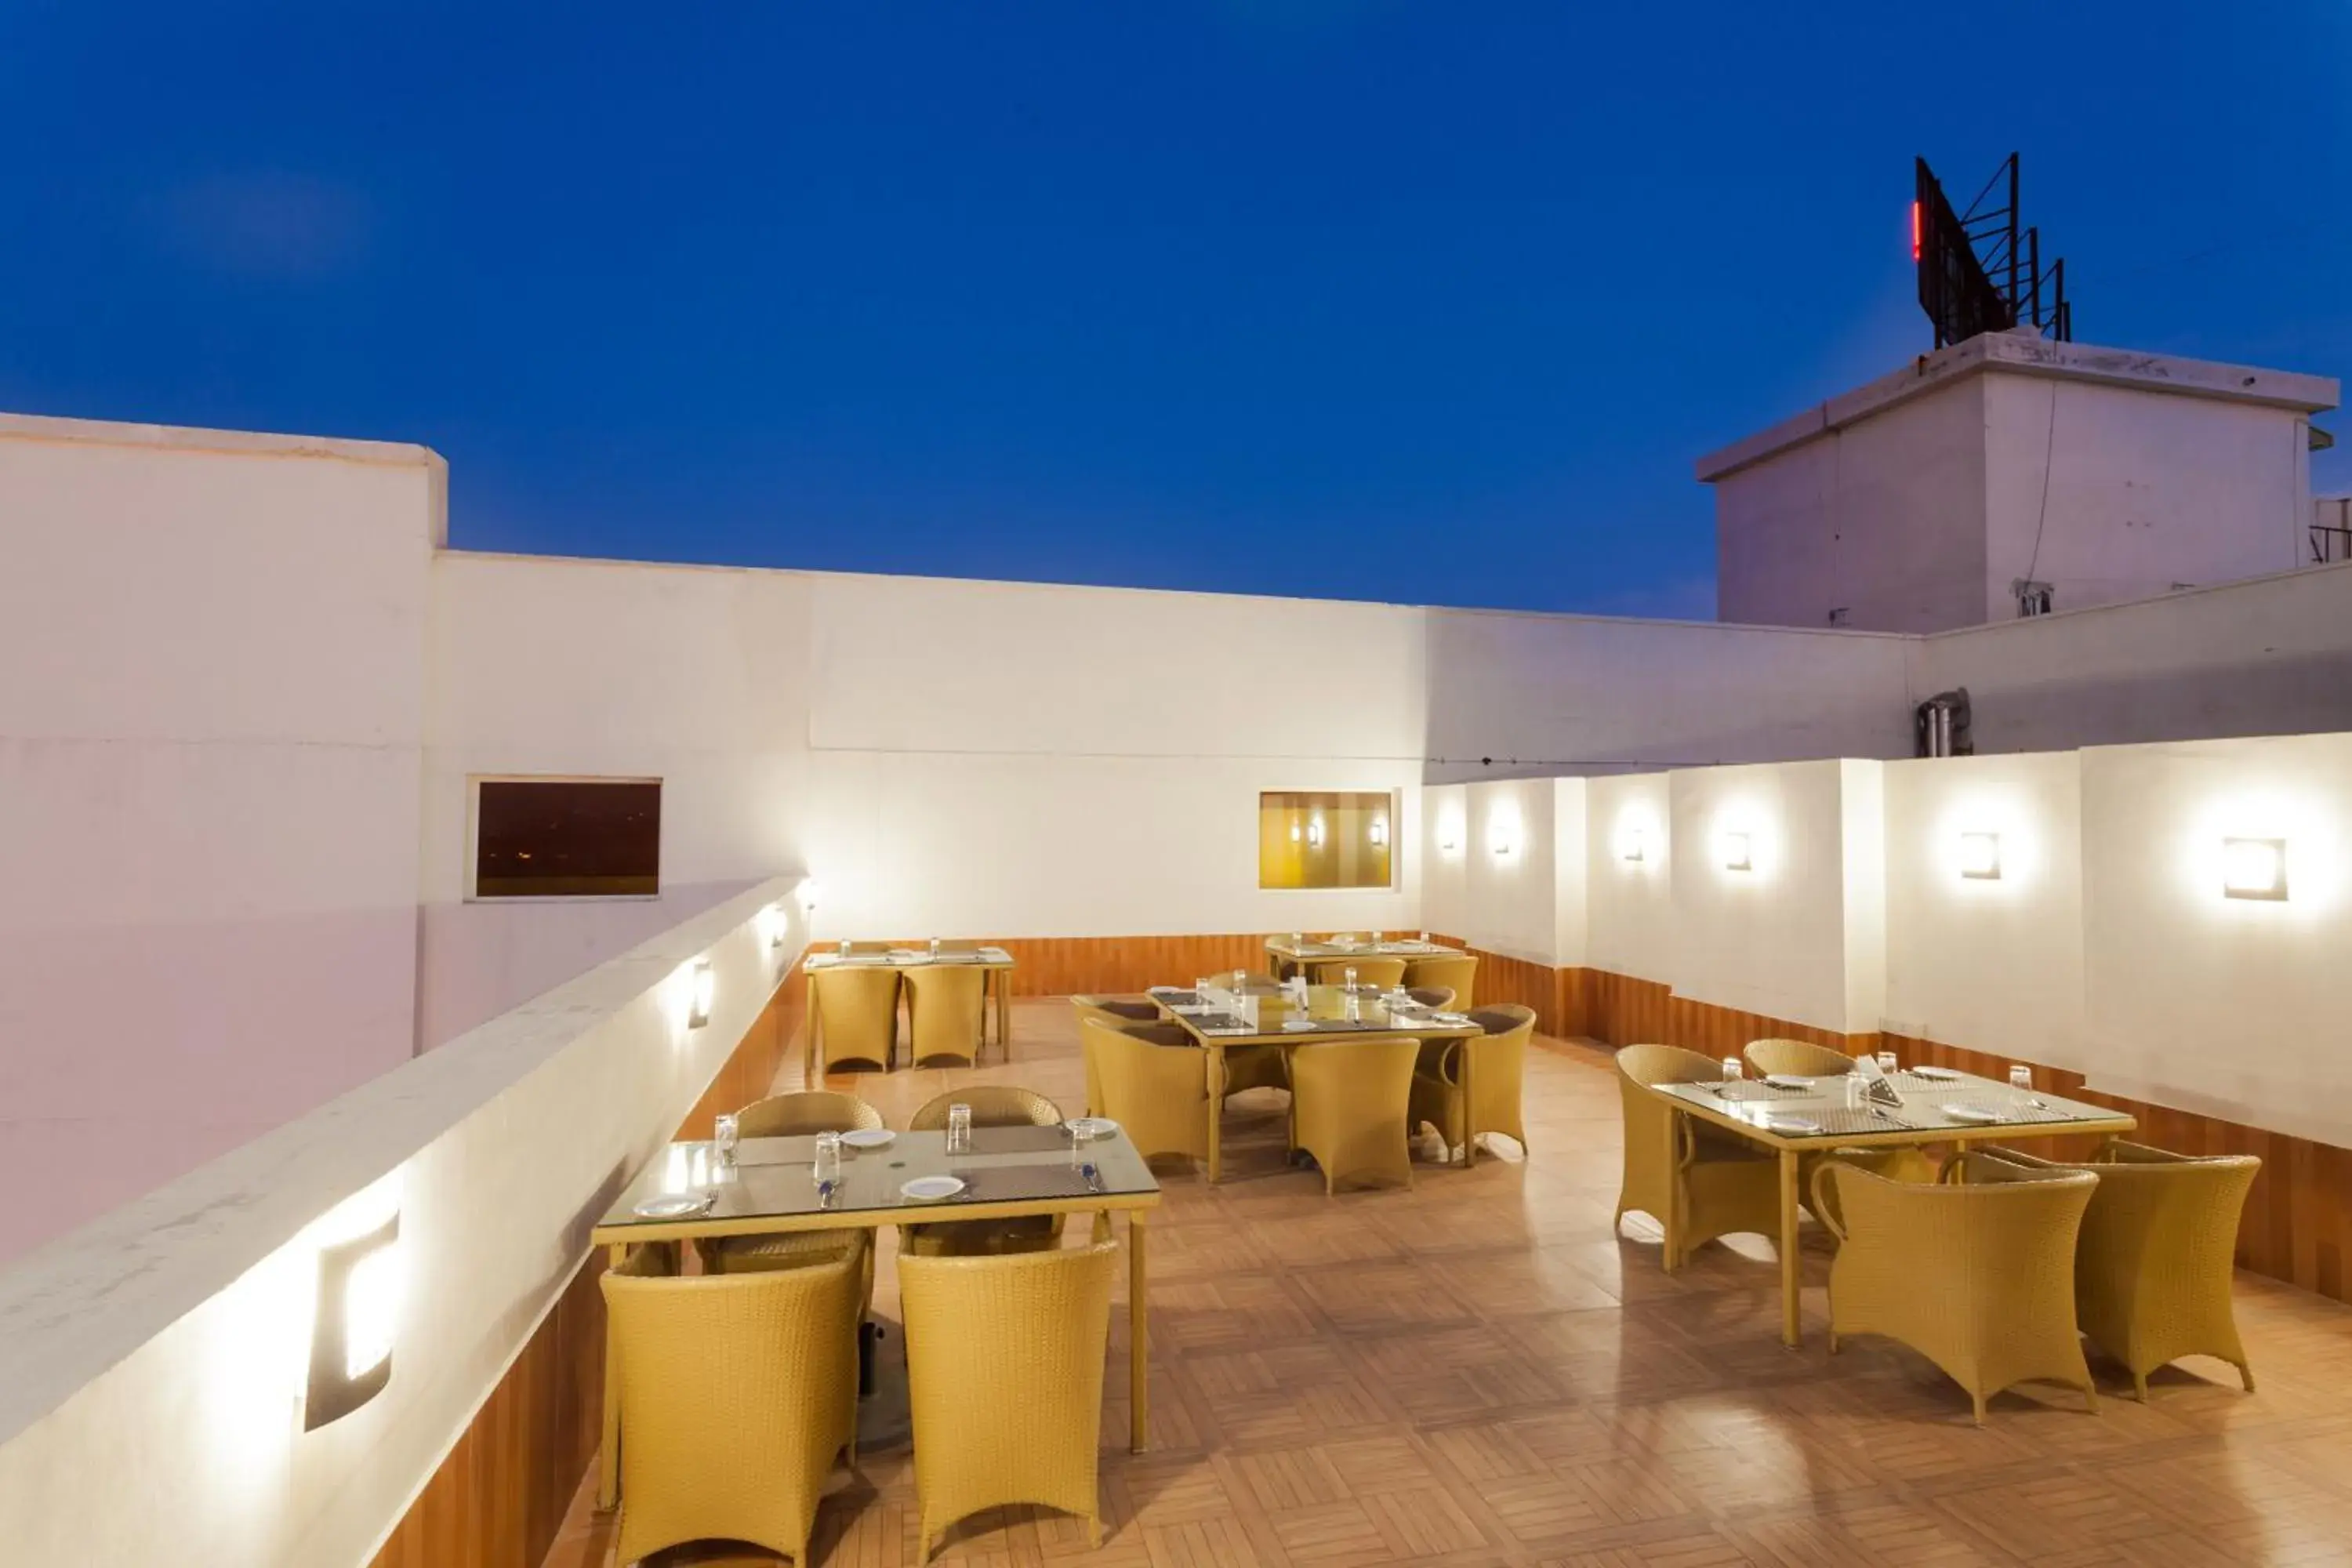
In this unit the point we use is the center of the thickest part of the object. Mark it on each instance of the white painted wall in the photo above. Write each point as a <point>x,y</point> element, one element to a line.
<point>1630,903</point>
<point>1446,849</point>
<point>1861,858</point>
<point>698,677</point>
<point>1571,930</point>
<point>1771,939</point>
<point>1883,518</point>
<point>2148,491</point>
<point>1993,964</point>
<point>2272,656</point>
<point>1560,694</point>
<point>209,731</point>
<point>2230,1006</point>
<point>1509,880</point>
<point>150,1365</point>
<point>1913,503</point>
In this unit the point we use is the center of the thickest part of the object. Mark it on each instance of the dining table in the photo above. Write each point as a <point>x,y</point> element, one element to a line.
<point>1299,948</point>
<point>690,1191</point>
<point>996,980</point>
<point>1795,1117</point>
<point>1259,1013</point>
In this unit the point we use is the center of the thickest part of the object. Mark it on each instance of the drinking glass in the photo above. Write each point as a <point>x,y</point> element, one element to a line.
<point>1348,975</point>
<point>1424,939</point>
<point>1887,1060</point>
<point>844,947</point>
<point>959,1129</point>
<point>828,1157</point>
<point>1376,937</point>
<point>935,947</point>
<point>723,1139</point>
<point>1734,1068</point>
<point>2020,1077</point>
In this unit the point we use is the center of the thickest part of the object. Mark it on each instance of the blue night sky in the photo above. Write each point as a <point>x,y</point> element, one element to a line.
<point>1423,302</point>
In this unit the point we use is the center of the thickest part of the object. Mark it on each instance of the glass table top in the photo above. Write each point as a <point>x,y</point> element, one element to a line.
<point>1826,1108</point>
<point>776,1177</point>
<point>899,957</point>
<point>1212,1013</point>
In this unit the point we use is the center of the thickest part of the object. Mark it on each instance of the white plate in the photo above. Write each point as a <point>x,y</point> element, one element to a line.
<point>868,1138</point>
<point>672,1207</point>
<point>931,1189</point>
<point>1086,1127</point>
<point>1936,1075</point>
<point>1791,1124</point>
<point>1297,1025</point>
<point>1977,1114</point>
<point>1787,1080</point>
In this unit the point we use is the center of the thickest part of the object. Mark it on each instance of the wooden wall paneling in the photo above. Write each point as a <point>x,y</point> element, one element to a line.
<point>1625,1009</point>
<point>499,1496</point>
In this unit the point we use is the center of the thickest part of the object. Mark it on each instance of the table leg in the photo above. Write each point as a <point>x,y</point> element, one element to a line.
<point>1672,1220</point>
<point>608,1452</point>
<point>1005,1013</point>
<point>1139,1352</point>
<point>1469,1117</point>
<point>1791,1270</point>
<point>1216,1109</point>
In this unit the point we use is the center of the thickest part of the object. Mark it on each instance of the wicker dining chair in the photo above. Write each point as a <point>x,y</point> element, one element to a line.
<point>1458,974</point>
<point>1348,1105</point>
<point>804,1115</point>
<point>947,1004</point>
<point>992,1105</point>
<point>1118,1012</point>
<point>857,1015</point>
<point>1155,1084</point>
<point>1005,1372</point>
<point>1388,974</point>
<point>2154,1268</point>
<point>1797,1059</point>
<point>1977,1275</point>
<point>1498,1064</point>
<point>736,1394</point>
<point>1713,1183</point>
<point>1436,998</point>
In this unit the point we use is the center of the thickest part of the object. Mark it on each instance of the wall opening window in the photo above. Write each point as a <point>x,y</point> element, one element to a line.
<point>1326,838</point>
<point>566,838</point>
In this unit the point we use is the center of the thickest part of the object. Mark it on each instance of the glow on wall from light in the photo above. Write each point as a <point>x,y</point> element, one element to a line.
<point>1503,832</point>
<point>1449,830</point>
<point>1742,844</point>
<point>2226,848</point>
<point>1639,842</point>
<point>2006,816</point>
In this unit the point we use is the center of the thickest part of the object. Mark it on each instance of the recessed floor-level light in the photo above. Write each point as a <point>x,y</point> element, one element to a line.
<point>1980,856</point>
<point>1738,851</point>
<point>2254,867</point>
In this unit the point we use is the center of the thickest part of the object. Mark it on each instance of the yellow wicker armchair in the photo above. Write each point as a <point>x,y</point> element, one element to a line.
<point>1348,1105</point>
<point>992,1105</point>
<point>804,1115</point>
<point>1797,1059</point>
<point>736,1394</point>
<point>1385,972</point>
<point>1436,998</point>
<point>945,1005</point>
<point>2154,1268</point>
<point>1004,1370</point>
<point>857,1012</point>
<point>1155,1085</point>
<point>1458,975</point>
<point>1118,1012</point>
<point>1697,1180</point>
<point>1497,1063</point>
<point>1977,1275</point>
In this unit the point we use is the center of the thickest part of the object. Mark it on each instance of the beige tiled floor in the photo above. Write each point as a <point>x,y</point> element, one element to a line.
<point>1476,1372</point>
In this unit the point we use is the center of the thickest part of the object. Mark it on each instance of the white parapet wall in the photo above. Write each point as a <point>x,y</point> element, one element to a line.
<point>152,1364</point>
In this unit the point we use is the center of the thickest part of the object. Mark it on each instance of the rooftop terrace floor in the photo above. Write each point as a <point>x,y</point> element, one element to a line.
<point>1475,1372</point>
